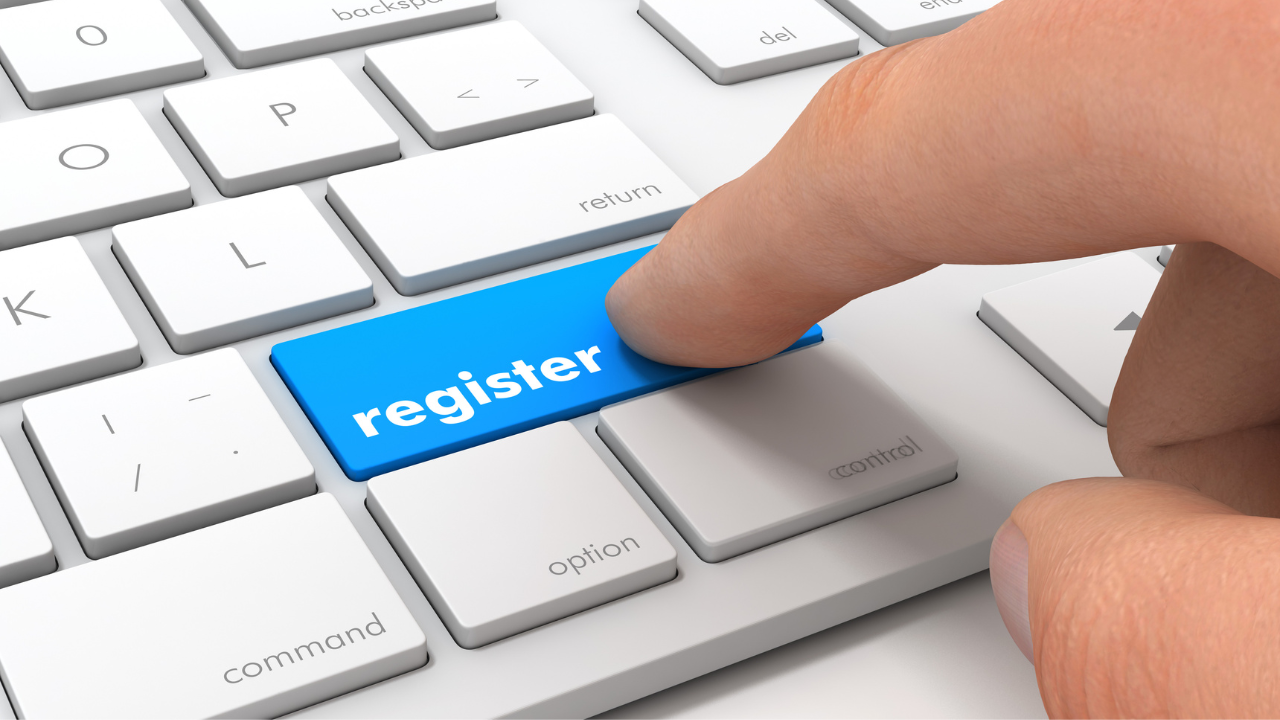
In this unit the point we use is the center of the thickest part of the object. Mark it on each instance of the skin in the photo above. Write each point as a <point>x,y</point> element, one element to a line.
<point>1044,130</point>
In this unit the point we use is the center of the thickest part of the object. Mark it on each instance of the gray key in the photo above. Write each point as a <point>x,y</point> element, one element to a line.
<point>746,458</point>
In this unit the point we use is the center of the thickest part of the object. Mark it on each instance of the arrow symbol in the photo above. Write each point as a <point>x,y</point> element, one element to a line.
<point>531,81</point>
<point>1130,323</point>
<point>469,97</point>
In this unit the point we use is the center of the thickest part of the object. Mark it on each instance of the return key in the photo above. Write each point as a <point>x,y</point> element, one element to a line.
<point>449,217</point>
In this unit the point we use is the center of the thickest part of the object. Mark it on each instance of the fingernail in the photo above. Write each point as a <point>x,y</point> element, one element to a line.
<point>1009,581</point>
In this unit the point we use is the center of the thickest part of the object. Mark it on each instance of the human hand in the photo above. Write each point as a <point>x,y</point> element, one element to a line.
<point>1042,130</point>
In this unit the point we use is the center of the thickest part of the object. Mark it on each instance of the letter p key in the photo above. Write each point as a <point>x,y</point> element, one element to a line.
<point>282,115</point>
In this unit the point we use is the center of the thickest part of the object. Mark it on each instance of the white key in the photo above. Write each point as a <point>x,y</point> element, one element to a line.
<point>556,538</point>
<point>253,33</point>
<point>893,22</point>
<point>1166,252</point>
<point>746,458</point>
<point>257,617</point>
<point>166,450</point>
<point>486,82</point>
<point>25,550</point>
<point>280,126</point>
<point>58,324</point>
<point>67,172</point>
<point>449,217</point>
<point>1075,326</point>
<point>736,40</point>
<point>221,273</point>
<point>68,51</point>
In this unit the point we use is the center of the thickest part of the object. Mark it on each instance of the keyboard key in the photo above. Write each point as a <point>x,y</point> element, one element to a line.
<point>1166,252</point>
<point>166,450</point>
<point>221,273</point>
<point>104,161</point>
<point>893,22</point>
<point>760,454</point>
<point>254,33</point>
<point>280,126</point>
<point>58,324</point>
<point>486,82</point>
<point>25,550</point>
<point>394,391</point>
<point>1075,326</point>
<point>446,218</point>
<point>736,40</point>
<point>559,537</point>
<point>70,51</point>
<point>257,617</point>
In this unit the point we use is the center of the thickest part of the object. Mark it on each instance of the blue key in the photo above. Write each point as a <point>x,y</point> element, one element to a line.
<point>397,390</point>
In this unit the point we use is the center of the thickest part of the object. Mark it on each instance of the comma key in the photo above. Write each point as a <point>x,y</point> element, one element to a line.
<point>486,82</point>
<point>256,617</point>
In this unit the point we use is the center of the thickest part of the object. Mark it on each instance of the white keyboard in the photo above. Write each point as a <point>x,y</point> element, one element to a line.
<point>231,229</point>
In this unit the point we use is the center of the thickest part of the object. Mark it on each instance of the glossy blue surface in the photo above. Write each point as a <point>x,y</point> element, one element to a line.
<point>413,367</point>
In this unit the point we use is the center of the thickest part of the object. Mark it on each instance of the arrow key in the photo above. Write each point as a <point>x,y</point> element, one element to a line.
<point>512,84</point>
<point>58,325</point>
<point>1076,326</point>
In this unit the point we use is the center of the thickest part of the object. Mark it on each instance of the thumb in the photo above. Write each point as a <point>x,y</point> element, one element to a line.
<point>1140,598</point>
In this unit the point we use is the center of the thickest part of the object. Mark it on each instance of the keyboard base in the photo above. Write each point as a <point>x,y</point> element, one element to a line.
<point>1013,430</point>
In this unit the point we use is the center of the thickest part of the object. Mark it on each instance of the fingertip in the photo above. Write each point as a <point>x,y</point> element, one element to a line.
<point>1009,561</point>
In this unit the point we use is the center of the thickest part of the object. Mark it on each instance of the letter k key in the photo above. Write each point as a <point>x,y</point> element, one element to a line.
<point>14,310</point>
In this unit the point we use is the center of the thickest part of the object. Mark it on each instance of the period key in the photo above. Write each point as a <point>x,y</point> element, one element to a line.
<point>394,391</point>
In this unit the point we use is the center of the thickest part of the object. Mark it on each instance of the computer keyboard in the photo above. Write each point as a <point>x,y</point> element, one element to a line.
<point>280,285</point>
<point>1075,326</point>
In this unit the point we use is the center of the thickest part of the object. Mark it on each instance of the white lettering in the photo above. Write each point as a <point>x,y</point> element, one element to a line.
<point>502,382</point>
<point>459,411</point>
<point>365,421</point>
<point>453,406</point>
<point>554,369</point>
<point>587,358</point>
<point>399,413</point>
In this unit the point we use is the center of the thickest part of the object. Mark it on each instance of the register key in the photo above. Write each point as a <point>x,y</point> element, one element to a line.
<point>398,390</point>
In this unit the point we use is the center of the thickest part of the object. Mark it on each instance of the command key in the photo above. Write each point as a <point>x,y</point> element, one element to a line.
<point>401,389</point>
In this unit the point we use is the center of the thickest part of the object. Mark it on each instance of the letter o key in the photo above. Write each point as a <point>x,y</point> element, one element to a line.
<point>93,156</point>
<point>102,35</point>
